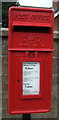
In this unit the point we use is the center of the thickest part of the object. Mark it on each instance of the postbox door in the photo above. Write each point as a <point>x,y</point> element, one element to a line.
<point>26,101</point>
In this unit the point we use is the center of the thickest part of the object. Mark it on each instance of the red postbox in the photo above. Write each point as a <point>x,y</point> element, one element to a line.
<point>30,48</point>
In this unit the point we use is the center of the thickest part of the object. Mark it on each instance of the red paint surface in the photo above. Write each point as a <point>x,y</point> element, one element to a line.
<point>30,40</point>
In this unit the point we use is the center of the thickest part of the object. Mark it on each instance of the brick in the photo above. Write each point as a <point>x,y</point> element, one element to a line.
<point>0,114</point>
<point>57,93</point>
<point>0,95</point>
<point>54,79</point>
<point>4,103</point>
<point>0,87</point>
<point>1,69</point>
<point>5,114</point>
<point>57,78</point>
<point>54,91</point>
<point>55,65</point>
<point>4,45</point>
<point>0,52</point>
<point>0,41</point>
<point>5,69</point>
<point>51,114</point>
<point>4,64</point>
<point>54,103</point>
<point>58,90</point>
<point>0,59</point>
<point>4,87</point>
<point>0,104</point>
<point>0,78</point>
<point>58,85</point>
<point>5,60</point>
<point>58,48</point>
<point>5,78</point>
<point>55,48</point>
<point>4,95</point>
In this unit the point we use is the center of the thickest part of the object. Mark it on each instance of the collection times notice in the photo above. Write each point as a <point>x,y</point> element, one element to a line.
<point>31,78</point>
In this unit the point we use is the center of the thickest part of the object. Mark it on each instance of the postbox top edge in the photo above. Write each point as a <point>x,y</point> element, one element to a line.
<point>30,9</point>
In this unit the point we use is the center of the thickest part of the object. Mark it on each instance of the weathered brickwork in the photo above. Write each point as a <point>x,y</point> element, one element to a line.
<point>4,81</point>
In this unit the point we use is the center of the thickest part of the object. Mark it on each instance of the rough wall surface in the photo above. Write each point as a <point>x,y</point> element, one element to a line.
<point>4,80</point>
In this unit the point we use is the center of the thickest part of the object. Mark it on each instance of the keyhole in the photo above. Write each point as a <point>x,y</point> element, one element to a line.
<point>18,81</point>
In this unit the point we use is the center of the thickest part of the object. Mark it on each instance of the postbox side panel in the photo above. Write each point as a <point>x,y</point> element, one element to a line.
<point>11,82</point>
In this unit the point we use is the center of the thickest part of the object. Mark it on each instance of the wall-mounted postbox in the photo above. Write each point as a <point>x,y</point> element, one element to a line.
<point>30,47</point>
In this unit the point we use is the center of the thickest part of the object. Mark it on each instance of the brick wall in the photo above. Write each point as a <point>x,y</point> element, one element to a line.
<point>4,80</point>
<point>56,4</point>
<point>56,19</point>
